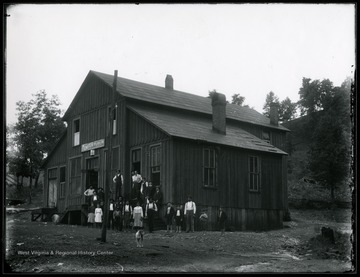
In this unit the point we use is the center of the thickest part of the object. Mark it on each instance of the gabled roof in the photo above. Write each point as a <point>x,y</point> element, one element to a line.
<point>200,128</point>
<point>178,99</point>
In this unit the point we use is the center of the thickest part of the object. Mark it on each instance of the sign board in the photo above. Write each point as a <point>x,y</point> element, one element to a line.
<point>93,145</point>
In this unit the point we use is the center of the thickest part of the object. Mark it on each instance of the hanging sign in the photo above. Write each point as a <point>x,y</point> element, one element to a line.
<point>93,145</point>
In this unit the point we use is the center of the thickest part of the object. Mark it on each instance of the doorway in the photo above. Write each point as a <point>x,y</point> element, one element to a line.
<point>136,160</point>
<point>92,176</point>
<point>52,193</point>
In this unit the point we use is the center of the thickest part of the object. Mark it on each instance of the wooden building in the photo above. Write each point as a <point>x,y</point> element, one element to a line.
<point>219,153</point>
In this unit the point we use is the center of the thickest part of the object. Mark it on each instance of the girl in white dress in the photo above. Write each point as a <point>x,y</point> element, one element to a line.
<point>98,216</point>
<point>138,215</point>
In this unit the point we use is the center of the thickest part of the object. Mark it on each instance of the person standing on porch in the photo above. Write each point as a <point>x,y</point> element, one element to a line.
<point>88,194</point>
<point>119,181</point>
<point>189,213</point>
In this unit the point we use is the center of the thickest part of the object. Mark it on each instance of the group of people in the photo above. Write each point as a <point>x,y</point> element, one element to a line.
<point>144,203</point>
<point>187,214</point>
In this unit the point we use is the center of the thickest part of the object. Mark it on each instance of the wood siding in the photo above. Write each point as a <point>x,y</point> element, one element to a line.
<point>143,135</point>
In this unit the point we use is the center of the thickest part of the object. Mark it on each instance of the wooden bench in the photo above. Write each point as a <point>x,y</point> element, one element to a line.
<point>44,213</point>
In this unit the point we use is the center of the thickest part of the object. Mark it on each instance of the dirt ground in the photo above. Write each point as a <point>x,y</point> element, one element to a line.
<point>45,247</point>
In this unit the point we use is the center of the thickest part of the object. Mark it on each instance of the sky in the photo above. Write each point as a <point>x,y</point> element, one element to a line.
<point>250,49</point>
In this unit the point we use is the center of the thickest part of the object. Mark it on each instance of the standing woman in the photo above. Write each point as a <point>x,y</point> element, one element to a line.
<point>138,216</point>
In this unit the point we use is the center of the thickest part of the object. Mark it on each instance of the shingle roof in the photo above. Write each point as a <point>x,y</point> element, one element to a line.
<point>183,100</point>
<point>200,128</point>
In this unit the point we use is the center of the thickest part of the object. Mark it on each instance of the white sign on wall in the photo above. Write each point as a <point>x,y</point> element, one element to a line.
<point>93,145</point>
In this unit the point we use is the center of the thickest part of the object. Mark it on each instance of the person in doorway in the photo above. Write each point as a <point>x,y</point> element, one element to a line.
<point>136,186</point>
<point>95,199</point>
<point>150,213</point>
<point>101,197</point>
<point>158,197</point>
<point>149,191</point>
<point>88,194</point>
<point>189,213</point>
<point>118,181</point>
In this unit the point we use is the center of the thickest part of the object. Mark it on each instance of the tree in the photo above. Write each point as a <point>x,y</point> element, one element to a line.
<point>270,98</point>
<point>237,99</point>
<point>211,93</point>
<point>38,128</point>
<point>329,154</point>
<point>314,95</point>
<point>287,110</point>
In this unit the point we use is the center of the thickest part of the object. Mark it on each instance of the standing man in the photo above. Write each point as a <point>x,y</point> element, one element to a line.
<point>150,213</point>
<point>110,223</point>
<point>119,181</point>
<point>189,213</point>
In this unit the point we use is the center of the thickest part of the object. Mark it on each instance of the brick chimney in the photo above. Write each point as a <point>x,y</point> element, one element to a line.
<point>274,114</point>
<point>218,103</point>
<point>169,82</point>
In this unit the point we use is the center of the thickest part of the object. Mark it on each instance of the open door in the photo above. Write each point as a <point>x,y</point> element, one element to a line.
<point>52,193</point>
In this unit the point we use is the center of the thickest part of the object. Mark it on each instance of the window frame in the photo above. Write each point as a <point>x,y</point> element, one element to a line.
<point>62,182</point>
<point>155,164</point>
<point>76,134</point>
<point>210,168</point>
<point>263,137</point>
<point>75,177</point>
<point>256,172</point>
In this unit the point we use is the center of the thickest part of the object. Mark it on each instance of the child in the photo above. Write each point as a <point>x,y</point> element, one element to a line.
<point>179,215</point>
<point>139,238</point>
<point>127,215</point>
<point>138,216</point>
<point>98,216</point>
<point>169,215</point>
<point>117,219</point>
<point>91,216</point>
<point>203,220</point>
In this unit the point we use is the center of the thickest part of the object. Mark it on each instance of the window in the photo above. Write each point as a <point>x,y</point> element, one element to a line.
<point>52,173</point>
<point>209,165</point>
<point>113,119</point>
<point>155,158</point>
<point>76,132</point>
<point>266,136</point>
<point>62,181</point>
<point>254,173</point>
<point>75,176</point>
